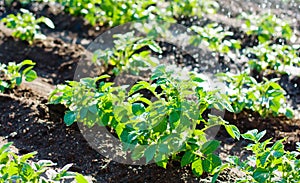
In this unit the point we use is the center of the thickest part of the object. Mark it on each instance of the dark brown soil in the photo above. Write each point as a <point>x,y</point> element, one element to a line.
<point>27,120</point>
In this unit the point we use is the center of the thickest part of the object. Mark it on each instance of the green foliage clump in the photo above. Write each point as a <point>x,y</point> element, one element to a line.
<point>115,13</point>
<point>15,168</point>
<point>266,98</point>
<point>274,57</point>
<point>192,7</point>
<point>126,53</point>
<point>109,11</point>
<point>266,27</point>
<point>213,35</point>
<point>11,75</point>
<point>25,25</point>
<point>268,164</point>
<point>156,129</point>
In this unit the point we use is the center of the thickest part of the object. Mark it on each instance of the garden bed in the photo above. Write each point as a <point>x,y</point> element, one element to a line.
<point>34,125</point>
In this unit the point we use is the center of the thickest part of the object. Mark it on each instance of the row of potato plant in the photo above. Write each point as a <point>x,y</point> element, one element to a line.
<point>119,12</point>
<point>264,57</point>
<point>148,126</point>
<point>115,13</point>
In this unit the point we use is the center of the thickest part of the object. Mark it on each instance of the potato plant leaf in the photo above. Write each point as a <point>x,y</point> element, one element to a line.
<point>150,152</point>
<point>30,76</point>
<point>69,118</point>
<point>80,178</point>
<point>138,109</point>
<point>197,167</point>
<point>209,147</point>
<point>211,162</point>
<point>233,131</point>
<point>187,158</point>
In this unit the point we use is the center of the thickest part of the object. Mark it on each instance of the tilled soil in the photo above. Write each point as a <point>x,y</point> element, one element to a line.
<point>33,125</point>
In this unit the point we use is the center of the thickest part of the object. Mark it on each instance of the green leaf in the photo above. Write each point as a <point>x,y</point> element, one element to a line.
<point>138,108</point>
<point>138,152</point>
<point>140,85</point>
<point>289,113</point>
<point>150,152</point>
<point>19,80</point>
<point>80,178</point>
<point>121,114</point>
<point>253,135</point>
<point>48,22</point>
<point>278,146</point>
<point>5,147</point>
<point>27,62</point>
<point>162,163</point>
<point>155,47</point>
<point>69,118</point>
<point>83,112</point>
<point>25,157</point>
<point>30,76</point>
<point>197,167</point>
<point>211,162</point>
<point>264,157</point>
<point>105,119</point>
<point>215,177</point>
<point>278,149</point>
<point>198,79</point>
<point>161,126</point>
<point>209,147</point>
<point>233,131</point>
<point>174,116</point>
<point>27,171</point>
<point>261,175</point>
<point>93,109</point>
<point>163,148</point>
<point>187,158</point>
<point>263,38</point>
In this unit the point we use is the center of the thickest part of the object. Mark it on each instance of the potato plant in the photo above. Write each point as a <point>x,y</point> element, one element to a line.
<point>266,27</point>
<point>16,168</point>
<point>266,98</point>
<point>273,57</point>
<point>25,26</point>
<point>127,54</point>
<point>213,35</point>
<point>157,128</point>
<point>190,8</point>
<point>269,162</point>
<point>11,75</point>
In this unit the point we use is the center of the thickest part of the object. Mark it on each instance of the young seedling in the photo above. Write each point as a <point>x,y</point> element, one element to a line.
<point>15,168</point>
<point>269,162</point>
<point>11,75</point>
<point>273,57</point>
<point>25,26</point>
<point>213,36</point>
<point>266,27</point>
<point>191,8</point>
<point>266,98</point>
<point>128,54</point>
